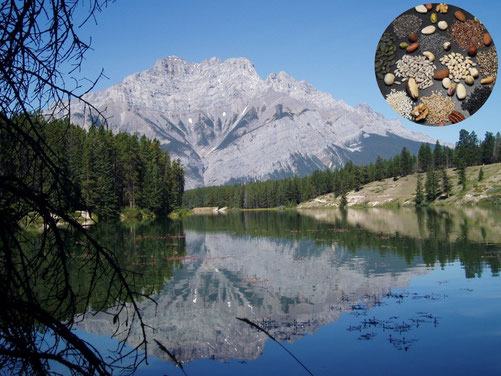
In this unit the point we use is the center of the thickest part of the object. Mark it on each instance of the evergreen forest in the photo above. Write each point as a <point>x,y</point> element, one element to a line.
<point>107,174</point>
<point>431,159</point>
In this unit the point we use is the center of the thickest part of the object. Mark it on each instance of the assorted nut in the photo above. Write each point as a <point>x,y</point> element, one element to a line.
<point>488,80</point>
<point>458,65</point>
<point>428,30</point>
<point>456,117</point>
<point>417,70</point>
<point>421,9</point>
<point>420,112</point>
<point>412,89</point>
<point>452,90</point>
<point>413,47</point>
<point>460,16</point>
<point>472,51</point>
<point>442,8</point>
<point>442,25</point>
<point>389,79</point>
<point>461,92</point>
<point>487,39</point>
<point>441,74</point>
<point>418,67</point>
<point>429,55</point>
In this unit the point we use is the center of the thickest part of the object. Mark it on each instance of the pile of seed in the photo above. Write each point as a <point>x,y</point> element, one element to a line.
<point>488,62</point>
<point>458,65</point>
<point>418,67</point>
<point>476,99</point>
<point>467,34</point>
<point>385,55</point>
<point>400,102</point>
<point>439,106</point>
<point>433,43</point>
<point>405,24</point>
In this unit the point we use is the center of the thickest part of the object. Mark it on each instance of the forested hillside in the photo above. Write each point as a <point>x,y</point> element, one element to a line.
<point>469,151</point>
<point>109,171</point>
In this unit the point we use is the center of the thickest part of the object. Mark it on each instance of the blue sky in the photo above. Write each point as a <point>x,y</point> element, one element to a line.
<point>330,44</point>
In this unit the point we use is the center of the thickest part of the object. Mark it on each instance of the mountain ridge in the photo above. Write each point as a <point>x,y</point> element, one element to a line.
<point>225,122</point>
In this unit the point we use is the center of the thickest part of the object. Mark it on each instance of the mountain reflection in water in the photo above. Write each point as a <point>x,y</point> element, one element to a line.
<point>289,273</point>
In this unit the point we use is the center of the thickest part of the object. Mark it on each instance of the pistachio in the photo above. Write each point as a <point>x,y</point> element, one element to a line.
<point>404,45</point>
<point>451,90</point>
<point>433,18</point>
<point>429,55</point>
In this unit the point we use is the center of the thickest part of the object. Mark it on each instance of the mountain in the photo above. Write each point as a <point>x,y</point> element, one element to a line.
<point>227,125</point>
<point>229,276</point>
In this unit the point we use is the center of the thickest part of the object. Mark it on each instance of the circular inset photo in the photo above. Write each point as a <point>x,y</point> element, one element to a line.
<point>436,64</point>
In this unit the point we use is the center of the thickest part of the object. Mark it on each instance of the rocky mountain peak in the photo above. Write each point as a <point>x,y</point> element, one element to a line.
<point>228,125</point>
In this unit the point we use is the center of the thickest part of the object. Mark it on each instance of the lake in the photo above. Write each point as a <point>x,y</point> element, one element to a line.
<point>374,291</point>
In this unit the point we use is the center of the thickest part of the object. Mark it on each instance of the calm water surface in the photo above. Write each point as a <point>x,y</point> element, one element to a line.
<point>385,292</point>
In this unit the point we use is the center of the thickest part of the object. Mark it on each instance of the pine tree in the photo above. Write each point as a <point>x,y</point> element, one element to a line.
<point>481,174</point>
<point>438,156</point>
<point>344,201</point>
<point>462,176</point>
<point>379,169</point>
<point>406,163</point>
<point>425,157</point>
<point>446,183</point>
<point>432,185</point>
<point>487,147</point>
<point>419,192</point>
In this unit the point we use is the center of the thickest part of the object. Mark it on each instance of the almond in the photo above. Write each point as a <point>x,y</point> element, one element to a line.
<point>487,39</point>
<point>460,15</point>
<point>441,74</point>
<point>413,47</point>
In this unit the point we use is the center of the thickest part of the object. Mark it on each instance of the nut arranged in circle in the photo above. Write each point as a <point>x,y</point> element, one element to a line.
<point>436,64</point>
